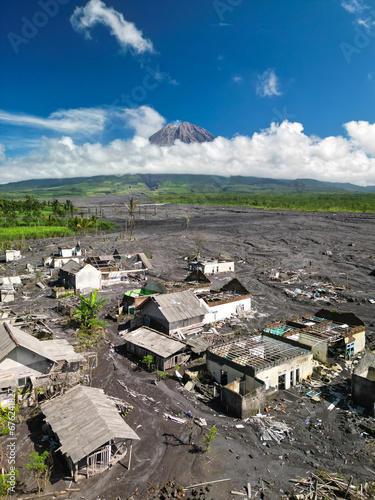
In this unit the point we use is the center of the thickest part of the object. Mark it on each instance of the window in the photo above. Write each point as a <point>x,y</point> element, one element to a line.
<point>281,382</point>
<point>186,322</point>
<point>22,381</point>
<point>349,352</point>
<point>297,375</point>
<point>224,378</point>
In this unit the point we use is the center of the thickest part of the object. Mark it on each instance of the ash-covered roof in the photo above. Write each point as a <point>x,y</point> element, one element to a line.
<point>155,342</point>
<point>84,419</point>
<point>54,350</point>
<point>180,305</point>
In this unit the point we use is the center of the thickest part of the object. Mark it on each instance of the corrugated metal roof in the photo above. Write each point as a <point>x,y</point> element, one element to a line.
<point>84,419</point>
<point>154,342</point>
<point>178,306</point>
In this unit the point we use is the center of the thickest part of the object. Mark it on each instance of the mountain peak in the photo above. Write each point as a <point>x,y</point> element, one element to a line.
<point>185,132</point>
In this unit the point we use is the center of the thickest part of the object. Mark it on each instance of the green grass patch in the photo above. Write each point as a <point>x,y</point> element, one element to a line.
<point>33,233</point>
<point>311,202</point>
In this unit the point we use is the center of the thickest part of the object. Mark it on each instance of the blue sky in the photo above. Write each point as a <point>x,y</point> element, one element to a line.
<point>84,83</point>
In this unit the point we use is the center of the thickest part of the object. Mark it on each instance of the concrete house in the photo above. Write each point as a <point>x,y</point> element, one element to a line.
<point>249,368</point>
<point>211,266</point>
<point>83,280</point>
<point>36,362</point>
<point>328,334</point>
<point>170,312</point>
<point>91,434</point>
<point>12,255</point>
<point>363,382</point>
<point>63,256</point>
<point>232,298</point>
<point>166,352</point>
<point>117,267</point>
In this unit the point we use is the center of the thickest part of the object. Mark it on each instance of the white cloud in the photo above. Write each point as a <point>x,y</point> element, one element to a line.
<point>354,6</point>
<point>126,33</point>
<point>2,152</point>
<point>282,151</point>
<point>87,120</point>
<point>89,123</point>
<point>268,84</point>
<point>363,135</point>
<point>237,79</point>
<point>144,120</point>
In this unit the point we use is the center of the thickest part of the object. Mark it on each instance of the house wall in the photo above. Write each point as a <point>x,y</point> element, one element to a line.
<point>212,268</point>
<point>24,363</point>
<point>152,315</point>
<point>359,339</point>
<point>11,255</point>
<point>270,376</point>
<point>88,279</point>
<point>186,323</point>
<point>222,311</point>
<point>363,391</point>
<point>243,405</point>
<point>319,348</point>
<point>288,368</point>
<point>160,362</point>
<point>59,262</point>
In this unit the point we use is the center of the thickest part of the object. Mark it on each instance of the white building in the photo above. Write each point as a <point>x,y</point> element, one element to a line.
<point>212,266</point>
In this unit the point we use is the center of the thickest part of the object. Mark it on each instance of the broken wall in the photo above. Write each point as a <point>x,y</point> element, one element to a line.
<point>239,401</point>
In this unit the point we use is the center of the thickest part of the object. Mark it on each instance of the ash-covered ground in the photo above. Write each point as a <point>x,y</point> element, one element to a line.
<point>307,251</point>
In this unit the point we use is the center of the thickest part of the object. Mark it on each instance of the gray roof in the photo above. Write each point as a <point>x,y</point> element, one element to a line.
<point>178,306</point>
<point>155,342</point>
<point>54,350</point>
<point>84,419</point>
<point>71,267</point>
<point>145,261</point>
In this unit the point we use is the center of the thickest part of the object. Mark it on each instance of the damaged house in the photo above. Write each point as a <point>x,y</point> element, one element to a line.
<point>117,267</point>
<point>63,256</point>
<point>12,255</point>
<point>232,298</point>
<point>166,352</point>
<point>90,433</point>
<point>83,279</point>
<point>328,334</point>
<point>249,368</point>
<point>363,382</point>
<point>39,363</point>
<point>211,266</point>
<point>174,312</point>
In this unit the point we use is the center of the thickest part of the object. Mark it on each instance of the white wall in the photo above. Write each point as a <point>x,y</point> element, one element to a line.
<point>88,279</point>
<point>222,311</point>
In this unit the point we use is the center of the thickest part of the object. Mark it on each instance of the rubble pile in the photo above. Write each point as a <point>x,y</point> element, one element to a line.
<point>323,485</point>
<point>172,490</point>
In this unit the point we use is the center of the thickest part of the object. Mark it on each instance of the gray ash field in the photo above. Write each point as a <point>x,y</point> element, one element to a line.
<point>332,251</point>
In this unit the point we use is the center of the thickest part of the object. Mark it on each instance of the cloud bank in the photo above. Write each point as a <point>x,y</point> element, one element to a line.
<point>282,151</point>
<point>127,34</point>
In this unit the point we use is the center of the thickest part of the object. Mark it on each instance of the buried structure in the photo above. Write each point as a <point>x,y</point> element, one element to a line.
<point>165,351</point>
<point>249,368</point>
<point>328,334</point>
<point>92,436</point>
<point>363,382</point>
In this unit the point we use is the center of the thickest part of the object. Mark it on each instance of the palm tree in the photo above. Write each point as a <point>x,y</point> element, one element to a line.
<point>69,207</point>
<point>131,209</point>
